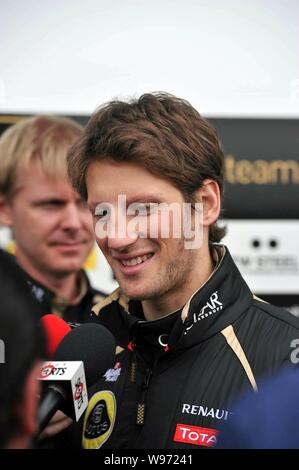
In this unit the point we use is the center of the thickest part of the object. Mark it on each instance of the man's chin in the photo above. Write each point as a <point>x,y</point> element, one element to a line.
<point>74,260</point>
<point>65,269</point>
<point>137,294</point>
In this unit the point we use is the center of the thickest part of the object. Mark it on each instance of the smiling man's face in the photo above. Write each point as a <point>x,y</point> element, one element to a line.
<point>145,267</point>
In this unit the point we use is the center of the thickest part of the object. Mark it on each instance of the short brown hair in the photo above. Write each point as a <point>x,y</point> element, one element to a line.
<point>43,138</point>
<point>162,133</point>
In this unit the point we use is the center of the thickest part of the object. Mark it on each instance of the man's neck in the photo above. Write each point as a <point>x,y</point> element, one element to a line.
<point>154,309</point>
<point>65,286</point>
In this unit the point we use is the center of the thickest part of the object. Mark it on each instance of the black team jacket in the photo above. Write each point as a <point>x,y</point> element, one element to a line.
<point>74,313</point>
<point>47,301</point>
<point>174,380</point>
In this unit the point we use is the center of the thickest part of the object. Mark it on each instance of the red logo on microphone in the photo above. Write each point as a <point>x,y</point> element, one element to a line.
<point>79,390</point>
<point>78,395</point>
<point>46,371</point>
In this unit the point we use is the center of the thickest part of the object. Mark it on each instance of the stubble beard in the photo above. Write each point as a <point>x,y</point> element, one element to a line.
<point>173,276</point>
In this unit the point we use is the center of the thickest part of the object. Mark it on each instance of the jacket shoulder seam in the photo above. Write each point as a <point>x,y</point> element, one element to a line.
<point>260,304</point>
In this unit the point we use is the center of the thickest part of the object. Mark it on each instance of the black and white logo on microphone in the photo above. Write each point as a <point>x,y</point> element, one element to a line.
<point>78,395</point>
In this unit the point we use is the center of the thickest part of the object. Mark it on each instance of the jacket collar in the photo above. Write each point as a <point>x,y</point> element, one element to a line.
<point>58,304</point>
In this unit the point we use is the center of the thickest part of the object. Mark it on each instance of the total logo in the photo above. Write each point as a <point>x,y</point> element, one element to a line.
<point>212,306</point>
<point>195,435</point>
<point>49,369</point>
<point>111,375</point>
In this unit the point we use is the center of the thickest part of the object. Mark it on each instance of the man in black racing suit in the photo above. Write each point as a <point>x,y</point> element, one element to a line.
<point>174,379</point>
<point>191,336</point>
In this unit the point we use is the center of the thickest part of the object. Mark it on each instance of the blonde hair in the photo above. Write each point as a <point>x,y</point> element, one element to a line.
<point>45,139</point>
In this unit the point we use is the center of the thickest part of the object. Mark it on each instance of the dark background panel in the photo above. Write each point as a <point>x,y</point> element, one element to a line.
<point>262,165</point>
<point>258,186</point>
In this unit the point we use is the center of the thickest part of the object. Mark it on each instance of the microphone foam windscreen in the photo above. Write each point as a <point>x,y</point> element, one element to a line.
<point>55,329</point>
<point>91,343</point>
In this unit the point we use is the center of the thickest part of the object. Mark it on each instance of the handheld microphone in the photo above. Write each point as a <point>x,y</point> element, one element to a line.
<point>55,330</point>
<point>65,387</point>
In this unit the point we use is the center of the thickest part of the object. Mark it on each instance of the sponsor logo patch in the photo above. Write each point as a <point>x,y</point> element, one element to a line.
<point>215,413</point>
<point>78,395</point>
<point>99,420</point>
<point>195,435</point>
<point>37,292</point>
<point>50,369</point>
<point>212,306</point>
<point>111,375</point>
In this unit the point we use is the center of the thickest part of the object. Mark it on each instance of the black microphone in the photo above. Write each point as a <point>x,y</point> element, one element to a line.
<point>64,378</point>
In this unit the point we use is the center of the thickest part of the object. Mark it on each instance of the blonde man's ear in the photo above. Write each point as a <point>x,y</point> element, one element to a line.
<point>5,212</point>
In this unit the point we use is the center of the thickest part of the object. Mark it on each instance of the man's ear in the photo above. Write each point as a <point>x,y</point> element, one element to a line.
<point>209,196</point>
<point>5,211</point>
<point>27,409</point>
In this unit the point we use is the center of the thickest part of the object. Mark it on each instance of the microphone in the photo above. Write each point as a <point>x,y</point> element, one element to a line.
<point>55,330</point>
<point>65,387</point>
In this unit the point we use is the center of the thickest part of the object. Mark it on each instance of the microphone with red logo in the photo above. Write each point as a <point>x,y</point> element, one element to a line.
<point>55,330</point>
<point>87,351</point>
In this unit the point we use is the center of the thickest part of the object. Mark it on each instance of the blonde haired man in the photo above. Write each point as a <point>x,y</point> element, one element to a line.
<point>50,223</point>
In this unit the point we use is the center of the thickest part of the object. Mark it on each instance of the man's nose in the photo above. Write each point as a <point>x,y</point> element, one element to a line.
<point>120,235</point>
<point>71,218</point>
<point>120,243</point>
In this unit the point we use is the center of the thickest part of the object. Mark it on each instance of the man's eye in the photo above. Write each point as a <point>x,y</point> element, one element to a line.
<point>140,209</point>
<point>101,213</point>
<point>53,203</point>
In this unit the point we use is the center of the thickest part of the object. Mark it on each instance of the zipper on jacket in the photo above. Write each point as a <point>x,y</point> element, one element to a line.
<point>141,407</point>
<point>133,370</point>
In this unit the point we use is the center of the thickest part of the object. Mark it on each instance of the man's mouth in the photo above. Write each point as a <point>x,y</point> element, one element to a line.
<point>70,243</point>
<point>135,261</point>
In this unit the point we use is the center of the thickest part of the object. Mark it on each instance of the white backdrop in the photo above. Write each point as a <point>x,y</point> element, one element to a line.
<point>226,56</point>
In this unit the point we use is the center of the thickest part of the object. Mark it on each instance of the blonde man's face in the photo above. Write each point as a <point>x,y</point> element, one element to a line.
<point>51,224</point>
